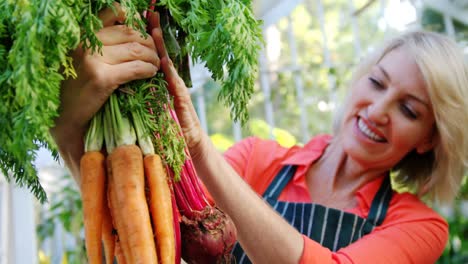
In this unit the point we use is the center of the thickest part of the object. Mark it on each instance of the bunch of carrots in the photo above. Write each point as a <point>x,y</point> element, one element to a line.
<point>141,209</point>
<point>126,192</point>
<point>142,199</point>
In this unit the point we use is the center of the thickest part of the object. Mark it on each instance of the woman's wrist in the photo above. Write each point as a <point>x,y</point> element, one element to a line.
<point>69,142</point>
<point>199,151</point>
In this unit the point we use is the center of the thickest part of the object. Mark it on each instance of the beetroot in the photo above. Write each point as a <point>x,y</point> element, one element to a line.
<point>208,237</point>
<point>204,234</point>
<point>207,234</point>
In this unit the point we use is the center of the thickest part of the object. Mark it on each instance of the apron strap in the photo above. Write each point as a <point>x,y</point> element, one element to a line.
<point>381,202</point>
<point>279,182</point>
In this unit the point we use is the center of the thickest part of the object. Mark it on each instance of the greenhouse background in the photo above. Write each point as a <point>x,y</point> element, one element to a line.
<point>310,47</point>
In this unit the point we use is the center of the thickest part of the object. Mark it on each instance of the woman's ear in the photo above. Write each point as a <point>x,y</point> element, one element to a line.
<point>429,144</point>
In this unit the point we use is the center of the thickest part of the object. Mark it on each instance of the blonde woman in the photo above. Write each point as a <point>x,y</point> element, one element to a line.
<point>330,201</point>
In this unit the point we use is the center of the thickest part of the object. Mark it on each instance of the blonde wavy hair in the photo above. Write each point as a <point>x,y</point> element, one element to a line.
<point>437,174</point>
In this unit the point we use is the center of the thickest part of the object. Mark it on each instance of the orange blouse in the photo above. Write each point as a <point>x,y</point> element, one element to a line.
<point>411,232</point>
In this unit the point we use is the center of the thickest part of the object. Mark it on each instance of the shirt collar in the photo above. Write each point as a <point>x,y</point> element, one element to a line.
<point>310,152</point>
<point>365,195</point>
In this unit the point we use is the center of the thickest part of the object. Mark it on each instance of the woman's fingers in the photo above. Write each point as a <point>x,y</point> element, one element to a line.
<point>175,84</point>
<point>114,32</point>
<point>95,83</point>
<point>132,70</point>
<point>125,47</point>
<point>112,16</point>
<point>183,106</point>
<point>157,35</point>
<point>153,19</point>
<point>118,34</point>
<point>131,51</point>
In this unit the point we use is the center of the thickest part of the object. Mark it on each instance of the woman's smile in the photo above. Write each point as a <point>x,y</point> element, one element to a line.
<point>369,131</point>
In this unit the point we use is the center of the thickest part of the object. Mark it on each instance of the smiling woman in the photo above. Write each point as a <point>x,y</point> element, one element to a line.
<point>405,113</point>
<point>429,73</point>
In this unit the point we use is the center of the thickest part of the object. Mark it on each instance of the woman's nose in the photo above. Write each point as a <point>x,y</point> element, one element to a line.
<point>377,112</point>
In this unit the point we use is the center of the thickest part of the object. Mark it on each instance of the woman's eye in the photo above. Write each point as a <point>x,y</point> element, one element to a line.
<point>408,112</point>
<point>375,83</point>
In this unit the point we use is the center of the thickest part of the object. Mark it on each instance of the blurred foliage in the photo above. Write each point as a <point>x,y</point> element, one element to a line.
<point>456,251</point>
<point>261,129</point>
<point>221,141</point>
<point>258,128</point>
<point>323,83</point>
<point>43,258</point>
<point>464,188</point>
<point>65,210</point>
<point>434,21</point>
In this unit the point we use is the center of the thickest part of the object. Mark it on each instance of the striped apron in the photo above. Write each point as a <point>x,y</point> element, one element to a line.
<point>330,227</point>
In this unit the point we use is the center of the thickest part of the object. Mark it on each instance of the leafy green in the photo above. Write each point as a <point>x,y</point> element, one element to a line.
<point>148,103</point>
<point>65,209</point>
<point>94,137</point>
<point>37,37</point>
<point>225,35</point>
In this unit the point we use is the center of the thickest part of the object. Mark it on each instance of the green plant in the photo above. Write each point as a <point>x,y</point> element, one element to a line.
<point>457,246</point>
<point>36,37</point>
<point>65,210</point>
<point>456,251</point>
<point>261,129</point>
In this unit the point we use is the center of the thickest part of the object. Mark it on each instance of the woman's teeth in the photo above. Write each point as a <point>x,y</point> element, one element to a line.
<point>366,131</point>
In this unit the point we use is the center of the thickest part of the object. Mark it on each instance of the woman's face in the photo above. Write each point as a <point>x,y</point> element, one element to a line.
<point>388,113</point>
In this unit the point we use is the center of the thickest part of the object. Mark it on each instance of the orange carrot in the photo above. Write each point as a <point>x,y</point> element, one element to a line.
<point>128,179</point>
<point>92,170</point>
<point>108,238</point>
<point>117,217</point>
<point>161,208</point>
<point>119,256</point>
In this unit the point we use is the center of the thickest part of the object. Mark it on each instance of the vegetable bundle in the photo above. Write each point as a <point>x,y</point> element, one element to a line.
<point>127,201</point>
<point>36,37</point>
<point>145,156</point>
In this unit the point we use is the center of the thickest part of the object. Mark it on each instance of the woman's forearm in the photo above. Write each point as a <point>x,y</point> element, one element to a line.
<point>264,235</point>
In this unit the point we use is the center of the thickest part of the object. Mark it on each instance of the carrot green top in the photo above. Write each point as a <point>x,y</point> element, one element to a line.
<point>411,232</point>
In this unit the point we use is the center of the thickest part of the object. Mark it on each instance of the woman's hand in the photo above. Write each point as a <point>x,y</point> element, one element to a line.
<point>195,137</point>
<point>126,56</point>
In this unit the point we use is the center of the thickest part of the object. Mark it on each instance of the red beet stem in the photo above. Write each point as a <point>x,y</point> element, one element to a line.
<point>196,182</point>
<point>189,190</point>
<point>182,201</point>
